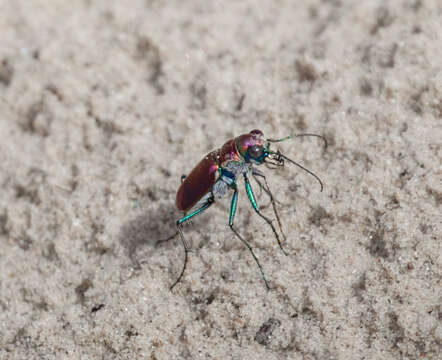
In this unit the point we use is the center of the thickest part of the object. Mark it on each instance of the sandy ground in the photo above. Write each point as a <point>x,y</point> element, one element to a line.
<point>104,105</point>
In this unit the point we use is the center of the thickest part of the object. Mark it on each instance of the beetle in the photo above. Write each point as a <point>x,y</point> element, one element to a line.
<point>217,173</point>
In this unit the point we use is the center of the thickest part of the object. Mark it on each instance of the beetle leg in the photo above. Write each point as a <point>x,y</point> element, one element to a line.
<point>183,177</point>
<point>255,206</point>
<point>266,188</point>
<point>159,242</point>
<point>233,207</point>
<point>179,223</point>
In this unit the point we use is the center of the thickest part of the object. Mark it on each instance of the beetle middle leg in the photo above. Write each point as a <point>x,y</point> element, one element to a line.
<point>233,207</point>
<point>179,224</point>
<point>255,206</point>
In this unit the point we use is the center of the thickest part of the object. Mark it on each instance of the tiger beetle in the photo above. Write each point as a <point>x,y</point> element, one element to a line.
<point>217,173</point>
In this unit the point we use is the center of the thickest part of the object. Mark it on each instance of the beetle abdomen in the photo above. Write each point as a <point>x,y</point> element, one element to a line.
<point>198,183</point>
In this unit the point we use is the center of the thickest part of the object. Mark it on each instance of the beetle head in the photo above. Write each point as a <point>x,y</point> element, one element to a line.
<point>253,147</point>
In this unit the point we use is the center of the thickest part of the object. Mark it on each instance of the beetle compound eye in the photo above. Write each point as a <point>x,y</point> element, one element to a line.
<point>256,132</point>
<point>255,151</point>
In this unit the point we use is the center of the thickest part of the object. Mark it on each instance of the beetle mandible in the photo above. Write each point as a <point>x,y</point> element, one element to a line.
<point>218,172</point>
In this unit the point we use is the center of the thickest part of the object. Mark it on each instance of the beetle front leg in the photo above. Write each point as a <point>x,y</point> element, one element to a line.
<point>233,207</point>
<point>255,206</point>
<point>256,173</point>
<point>266,187</point>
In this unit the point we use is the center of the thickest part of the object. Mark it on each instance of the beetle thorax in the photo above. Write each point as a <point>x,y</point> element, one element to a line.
<point>238,167</point>
<point>232,170</point>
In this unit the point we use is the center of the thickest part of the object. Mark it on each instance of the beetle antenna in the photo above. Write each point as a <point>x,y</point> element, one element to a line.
<point>280,158</point>
<point>299,135</point>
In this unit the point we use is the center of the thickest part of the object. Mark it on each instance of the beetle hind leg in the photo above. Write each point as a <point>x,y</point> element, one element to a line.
<point>186,250</point>
<point>179,224</point>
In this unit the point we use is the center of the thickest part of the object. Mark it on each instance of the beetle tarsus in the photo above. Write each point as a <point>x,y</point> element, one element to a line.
<point>186,250</point>
<point>253,254</point>
<point>159,242</point>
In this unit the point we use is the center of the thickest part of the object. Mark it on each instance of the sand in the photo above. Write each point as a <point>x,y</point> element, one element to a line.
<point>104,105</point>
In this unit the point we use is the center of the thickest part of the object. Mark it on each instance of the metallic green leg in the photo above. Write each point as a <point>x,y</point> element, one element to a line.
<point>179,223</point>
<point>255,206</point>
<point>233,206</point>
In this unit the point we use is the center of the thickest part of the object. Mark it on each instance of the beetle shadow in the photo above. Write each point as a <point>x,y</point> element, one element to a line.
<point>156,225</point>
